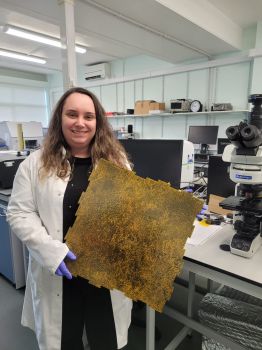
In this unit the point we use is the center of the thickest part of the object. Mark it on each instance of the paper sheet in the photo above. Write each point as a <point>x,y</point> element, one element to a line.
<point>202,233</point>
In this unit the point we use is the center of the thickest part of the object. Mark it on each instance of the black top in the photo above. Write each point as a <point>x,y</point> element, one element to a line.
<point>78,183</point>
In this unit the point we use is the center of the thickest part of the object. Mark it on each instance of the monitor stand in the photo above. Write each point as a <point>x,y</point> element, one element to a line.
<point>203,155</point>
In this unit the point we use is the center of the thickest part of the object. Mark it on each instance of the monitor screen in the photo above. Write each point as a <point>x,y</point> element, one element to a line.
<point>219,182</point>
<point>221,144</point>
<point>204,134</point>
<point>156,159</point>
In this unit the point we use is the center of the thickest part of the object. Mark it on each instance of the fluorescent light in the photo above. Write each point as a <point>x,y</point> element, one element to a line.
<point>31,36</point>
<point>20,56</point>
<point>80,49</point>
<point>39,38</point>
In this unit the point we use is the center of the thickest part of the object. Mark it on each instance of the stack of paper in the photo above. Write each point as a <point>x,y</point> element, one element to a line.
<point>202,233</point>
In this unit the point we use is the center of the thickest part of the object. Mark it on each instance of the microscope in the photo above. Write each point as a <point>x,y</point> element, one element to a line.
<point>245,155</point>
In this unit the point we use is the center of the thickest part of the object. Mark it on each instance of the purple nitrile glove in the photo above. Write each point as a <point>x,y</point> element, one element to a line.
<point>202,212</point>
<point>62,269</point>
<point>189,190</point>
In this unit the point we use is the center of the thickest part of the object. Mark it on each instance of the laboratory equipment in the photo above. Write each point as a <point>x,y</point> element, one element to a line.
<point>9,163</point>
<point>21,135</point>
<point>245,156</point>
<point>180,105</point>
<point>167,160</point>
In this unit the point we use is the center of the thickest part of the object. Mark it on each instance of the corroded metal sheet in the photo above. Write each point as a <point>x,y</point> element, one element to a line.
<point>130,233</point>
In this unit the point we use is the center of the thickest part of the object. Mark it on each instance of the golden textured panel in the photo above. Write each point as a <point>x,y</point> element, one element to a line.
<point>130,233</point>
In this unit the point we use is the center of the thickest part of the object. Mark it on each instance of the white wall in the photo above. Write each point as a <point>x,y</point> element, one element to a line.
<point>225,83</point>
<point>222,83</point>
<point>23,98</point>
<point>230,83</point>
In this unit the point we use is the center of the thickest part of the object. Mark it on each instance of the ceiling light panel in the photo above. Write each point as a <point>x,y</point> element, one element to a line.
<point>33,37</point>
<point>39,38</point>
<point>20,56</point>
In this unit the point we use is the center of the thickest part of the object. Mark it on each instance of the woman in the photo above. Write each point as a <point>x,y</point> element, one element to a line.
<point>42,207</point>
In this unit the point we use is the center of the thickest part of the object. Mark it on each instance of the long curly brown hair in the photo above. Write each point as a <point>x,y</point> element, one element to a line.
<point>56,152</point>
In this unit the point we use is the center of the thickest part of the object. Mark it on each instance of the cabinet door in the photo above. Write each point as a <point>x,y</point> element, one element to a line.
<point>6,262</point>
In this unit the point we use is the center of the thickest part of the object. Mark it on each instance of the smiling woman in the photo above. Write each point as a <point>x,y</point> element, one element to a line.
<point>42,207</point>
<point>79,123</point>
<point>79,127</point>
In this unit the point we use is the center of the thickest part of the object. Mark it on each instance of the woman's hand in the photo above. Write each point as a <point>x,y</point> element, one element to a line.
<point>62,269</point>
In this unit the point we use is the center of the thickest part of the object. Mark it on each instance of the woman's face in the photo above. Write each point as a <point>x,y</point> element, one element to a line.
<point>79,123</point>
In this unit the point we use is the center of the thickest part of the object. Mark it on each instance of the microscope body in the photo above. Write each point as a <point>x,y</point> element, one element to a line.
<point>246,172</point>
<point>245,157</point>
<point>244,169</point>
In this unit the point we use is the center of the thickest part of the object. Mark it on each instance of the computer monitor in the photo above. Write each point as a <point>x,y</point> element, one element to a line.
<point>221,144</point>
<point>204,135</point>
<point>219,182</point>
<point>156,159</point>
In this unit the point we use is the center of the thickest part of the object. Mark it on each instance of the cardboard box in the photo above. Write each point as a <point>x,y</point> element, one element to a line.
<point>144,106</point>
<point>213,205</point>
<point>157,106</point>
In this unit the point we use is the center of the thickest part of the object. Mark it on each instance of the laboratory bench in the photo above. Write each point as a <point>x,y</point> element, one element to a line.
<point>215,265</point>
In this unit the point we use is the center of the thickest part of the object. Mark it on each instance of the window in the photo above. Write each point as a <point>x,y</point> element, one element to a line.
<point>23,103</point>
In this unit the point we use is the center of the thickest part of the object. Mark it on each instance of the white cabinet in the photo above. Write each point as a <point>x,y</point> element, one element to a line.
<point>11,252</point>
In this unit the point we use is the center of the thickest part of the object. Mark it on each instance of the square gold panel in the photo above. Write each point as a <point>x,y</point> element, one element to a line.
<point>130,233</point>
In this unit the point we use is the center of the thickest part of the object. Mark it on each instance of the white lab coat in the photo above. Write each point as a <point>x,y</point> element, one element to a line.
<point>35,214</point>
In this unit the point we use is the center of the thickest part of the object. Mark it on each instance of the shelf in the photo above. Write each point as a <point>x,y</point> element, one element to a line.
<point>176,114</point>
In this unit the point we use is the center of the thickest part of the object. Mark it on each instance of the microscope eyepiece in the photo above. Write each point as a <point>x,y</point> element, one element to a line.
<point>251,136</point>
<point>248,135</point>
<point>232,133</point>
<point>249,132</point>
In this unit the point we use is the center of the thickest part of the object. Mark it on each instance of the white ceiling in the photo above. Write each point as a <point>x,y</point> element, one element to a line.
<point>171,30</point>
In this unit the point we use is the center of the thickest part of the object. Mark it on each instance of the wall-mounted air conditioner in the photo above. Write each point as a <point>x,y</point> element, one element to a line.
<point>97,71</point>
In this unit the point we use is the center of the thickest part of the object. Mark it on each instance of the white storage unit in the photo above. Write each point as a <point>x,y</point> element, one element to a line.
<point>11,252</point>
